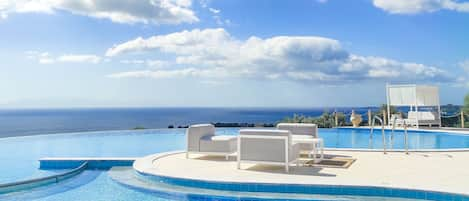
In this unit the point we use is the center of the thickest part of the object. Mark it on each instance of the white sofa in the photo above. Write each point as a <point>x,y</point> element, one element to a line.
<point>420,118</point>
<point>272,147</point>
<point>301,131</point>
<point>307,136</point>
<point>201,139</point>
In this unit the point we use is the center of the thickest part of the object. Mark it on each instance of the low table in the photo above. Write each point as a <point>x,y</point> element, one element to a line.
<point>317,144</point>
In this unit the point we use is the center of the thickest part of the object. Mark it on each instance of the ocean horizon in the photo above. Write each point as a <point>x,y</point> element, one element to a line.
<point>21,122</point>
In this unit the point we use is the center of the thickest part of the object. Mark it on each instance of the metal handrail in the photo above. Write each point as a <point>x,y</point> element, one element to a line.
<point>394,119</point>
<point>376,117</point>
<point>406,135</point>
<point>33,183</point>
<point>406,143</point>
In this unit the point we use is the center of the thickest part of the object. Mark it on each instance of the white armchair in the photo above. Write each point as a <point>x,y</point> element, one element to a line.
<point>272,147</point>
<point>201,139</point>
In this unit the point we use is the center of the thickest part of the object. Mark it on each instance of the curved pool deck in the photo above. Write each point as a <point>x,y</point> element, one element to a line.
<point>424,171</point>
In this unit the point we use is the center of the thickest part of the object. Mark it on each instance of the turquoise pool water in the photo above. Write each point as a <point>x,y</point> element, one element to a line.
<point>20,155</point>
<point>109,185</point>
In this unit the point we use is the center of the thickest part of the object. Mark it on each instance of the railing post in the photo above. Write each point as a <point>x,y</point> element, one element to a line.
<point>462,119</point>
<point>369,117</point>
<point>385,122</point>
<point>336,117</point>
<point>406,140</point>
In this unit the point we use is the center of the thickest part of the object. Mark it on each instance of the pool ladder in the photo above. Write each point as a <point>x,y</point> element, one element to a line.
<point>376,117</point>
<point>406,144</point>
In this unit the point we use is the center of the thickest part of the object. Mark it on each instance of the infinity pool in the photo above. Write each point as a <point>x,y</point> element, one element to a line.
<point>20,155</point>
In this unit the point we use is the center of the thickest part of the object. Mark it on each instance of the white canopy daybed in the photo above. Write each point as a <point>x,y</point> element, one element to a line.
<point>415,96</point>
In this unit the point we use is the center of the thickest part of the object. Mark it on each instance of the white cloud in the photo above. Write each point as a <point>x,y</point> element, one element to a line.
<point>83,58</point>
<point>208,40</point>
<point>220,21</point>
<point>214,11</point>
<point>148,62</point>
<point>158,74</point>
<point>420,6</point>
<point>157,63</point>
<point>463,80</point>
<point>204,3</point>
<point>41,57</point>
<point>120,11</point>
<point>215,54</point>
<point>218,18</point>
<point>46,61</point>
<point>464,65</point>
<point>135,61</point>
<point>47,58</point>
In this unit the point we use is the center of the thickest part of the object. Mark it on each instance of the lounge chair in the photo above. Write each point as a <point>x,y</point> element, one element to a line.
<point>307,136</point>
<point>272,147</point>
<point>201,139</point>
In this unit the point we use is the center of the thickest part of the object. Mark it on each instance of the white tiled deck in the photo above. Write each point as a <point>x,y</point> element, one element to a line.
<point>445,171</point>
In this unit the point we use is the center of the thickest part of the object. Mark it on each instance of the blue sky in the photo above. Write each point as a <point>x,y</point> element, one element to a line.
<point>162,53</point>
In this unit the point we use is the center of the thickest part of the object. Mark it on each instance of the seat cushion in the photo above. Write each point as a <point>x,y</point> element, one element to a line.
<point>219,137</point>
<point>299,128</point>
<point>303,146</point>
<point>266,132</point>
<point>218,143</point>
<point>301,137</point>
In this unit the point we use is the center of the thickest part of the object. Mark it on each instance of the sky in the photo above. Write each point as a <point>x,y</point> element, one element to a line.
<point>228,53</point>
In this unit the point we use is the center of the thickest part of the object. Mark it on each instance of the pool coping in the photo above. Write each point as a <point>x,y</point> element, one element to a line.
<point>141,166</point>
<point>93,162</point>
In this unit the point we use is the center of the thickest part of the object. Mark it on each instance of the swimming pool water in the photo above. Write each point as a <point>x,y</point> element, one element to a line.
<point>23,153</point>
<point>360,139</point>
<point>98,185</point>
<point>20,155</point>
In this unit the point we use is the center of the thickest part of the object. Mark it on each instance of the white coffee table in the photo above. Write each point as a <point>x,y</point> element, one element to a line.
<point>317,144</point>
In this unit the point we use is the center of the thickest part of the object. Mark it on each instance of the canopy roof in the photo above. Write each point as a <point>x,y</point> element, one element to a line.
<point>413,95</point>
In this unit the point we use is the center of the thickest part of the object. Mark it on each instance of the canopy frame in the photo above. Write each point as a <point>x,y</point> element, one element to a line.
<point>412,95</point>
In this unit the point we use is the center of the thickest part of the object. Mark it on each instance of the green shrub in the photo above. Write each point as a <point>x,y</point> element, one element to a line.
<point>326,120</point>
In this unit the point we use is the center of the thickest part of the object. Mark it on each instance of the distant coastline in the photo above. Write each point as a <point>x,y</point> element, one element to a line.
<point>231,125</point>
<point>21,122</point>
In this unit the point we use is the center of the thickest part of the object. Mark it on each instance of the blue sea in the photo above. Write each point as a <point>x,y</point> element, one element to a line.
<point>17,122</point>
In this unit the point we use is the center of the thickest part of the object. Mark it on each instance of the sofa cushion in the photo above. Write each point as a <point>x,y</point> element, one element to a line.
<point>299,128</point>
<point>218,143</point>
<point>266,132</point>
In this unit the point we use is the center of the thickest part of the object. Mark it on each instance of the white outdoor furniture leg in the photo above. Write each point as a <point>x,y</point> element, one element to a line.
<point>238,156</point>
<point>317,145</point>
<point>315,152</point>
<point>322,149</point>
